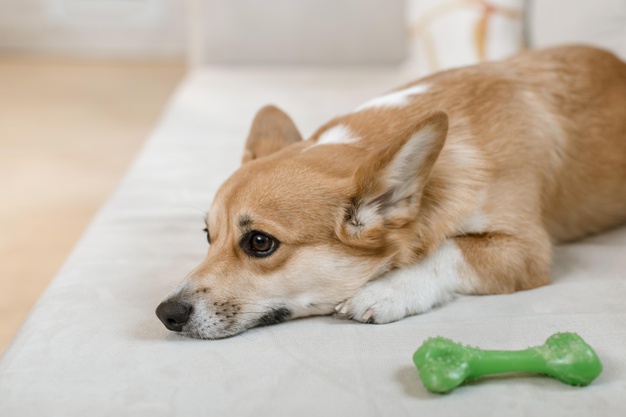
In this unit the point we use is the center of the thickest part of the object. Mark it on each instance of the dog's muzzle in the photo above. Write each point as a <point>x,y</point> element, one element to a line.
<point>174,314</point>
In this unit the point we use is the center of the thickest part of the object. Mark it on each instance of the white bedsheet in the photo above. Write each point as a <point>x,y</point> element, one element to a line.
<point>92,345</point>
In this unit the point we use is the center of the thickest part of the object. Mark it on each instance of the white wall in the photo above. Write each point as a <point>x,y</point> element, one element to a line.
<point>236,31</point>
<point>132,29</point>
<point>305,31</point>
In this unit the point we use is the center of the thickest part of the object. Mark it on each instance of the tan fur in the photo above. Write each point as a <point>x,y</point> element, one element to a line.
<point>271,131</point>
<point>535,144</point>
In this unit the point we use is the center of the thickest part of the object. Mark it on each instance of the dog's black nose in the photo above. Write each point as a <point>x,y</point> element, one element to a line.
<point>174,314</point>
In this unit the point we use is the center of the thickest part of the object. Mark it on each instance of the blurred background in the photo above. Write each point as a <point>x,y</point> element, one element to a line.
<point>83,83</point>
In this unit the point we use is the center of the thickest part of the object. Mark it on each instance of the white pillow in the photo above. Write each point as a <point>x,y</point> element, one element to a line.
<point>452,33</point>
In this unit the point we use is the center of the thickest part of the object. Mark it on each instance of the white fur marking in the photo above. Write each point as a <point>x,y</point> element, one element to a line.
<point>477,221</point>
<point>336,135</point>
<point>414,289</point>
<point>412,156</point>
<point>396,99</point>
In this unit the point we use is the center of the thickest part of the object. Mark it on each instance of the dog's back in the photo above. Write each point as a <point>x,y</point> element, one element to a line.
<point>584,172</point>
<point>546,130</point>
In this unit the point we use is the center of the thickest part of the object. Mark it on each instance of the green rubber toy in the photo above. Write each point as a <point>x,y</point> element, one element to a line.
<point>444,365</point>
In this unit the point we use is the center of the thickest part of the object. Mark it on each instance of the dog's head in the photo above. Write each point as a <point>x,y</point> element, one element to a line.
<point>302,225</point>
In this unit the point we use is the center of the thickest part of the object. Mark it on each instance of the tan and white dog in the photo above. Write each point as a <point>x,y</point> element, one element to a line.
<point>456,184</point>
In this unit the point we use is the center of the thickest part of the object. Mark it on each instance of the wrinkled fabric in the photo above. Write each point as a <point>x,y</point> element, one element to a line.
<point>92,345</point>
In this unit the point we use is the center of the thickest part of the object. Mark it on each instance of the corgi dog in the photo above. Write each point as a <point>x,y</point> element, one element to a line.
<point>459,183</point>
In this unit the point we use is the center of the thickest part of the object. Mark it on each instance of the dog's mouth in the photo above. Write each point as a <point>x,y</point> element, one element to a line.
<point>199,333</point>
<point>275,316</point>
<point>211,326</point>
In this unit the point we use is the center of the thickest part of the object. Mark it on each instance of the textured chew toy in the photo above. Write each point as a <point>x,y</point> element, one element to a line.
<point>444,365</point>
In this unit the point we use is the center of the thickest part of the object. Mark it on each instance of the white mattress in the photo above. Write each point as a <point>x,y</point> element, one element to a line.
<point>92,346</point>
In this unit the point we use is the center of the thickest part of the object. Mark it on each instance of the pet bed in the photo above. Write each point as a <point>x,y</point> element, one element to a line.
<point>92,345</point>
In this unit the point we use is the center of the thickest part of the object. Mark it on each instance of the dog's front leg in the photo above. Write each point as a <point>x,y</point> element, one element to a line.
<point>410,290</point>
<point>484,264</point>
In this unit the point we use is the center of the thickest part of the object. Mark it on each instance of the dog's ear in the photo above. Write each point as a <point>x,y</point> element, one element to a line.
<point>271,131</point>
<point>388,186</point>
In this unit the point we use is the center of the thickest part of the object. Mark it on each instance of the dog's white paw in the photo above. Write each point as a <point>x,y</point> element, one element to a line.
<point>403,292</point>
<point>376,302</point>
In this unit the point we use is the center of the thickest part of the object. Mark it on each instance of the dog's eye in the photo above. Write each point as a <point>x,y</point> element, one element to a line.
<point>259,244</point>
<point>208,237</point>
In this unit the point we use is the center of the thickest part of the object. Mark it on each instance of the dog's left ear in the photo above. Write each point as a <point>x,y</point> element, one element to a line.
<point>388,186</point>
<point>271,131</point>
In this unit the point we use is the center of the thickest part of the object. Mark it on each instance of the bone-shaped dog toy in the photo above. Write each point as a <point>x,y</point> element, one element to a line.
<point>443,364</point>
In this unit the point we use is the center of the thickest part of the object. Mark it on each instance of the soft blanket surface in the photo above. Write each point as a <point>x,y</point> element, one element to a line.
<point>92,345</point>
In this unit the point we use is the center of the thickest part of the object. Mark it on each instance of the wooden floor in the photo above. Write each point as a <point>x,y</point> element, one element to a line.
<point>68,131</point>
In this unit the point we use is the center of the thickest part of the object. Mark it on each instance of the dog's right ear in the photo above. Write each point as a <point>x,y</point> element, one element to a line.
<point>388,185</point>
<point>271,131</point>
